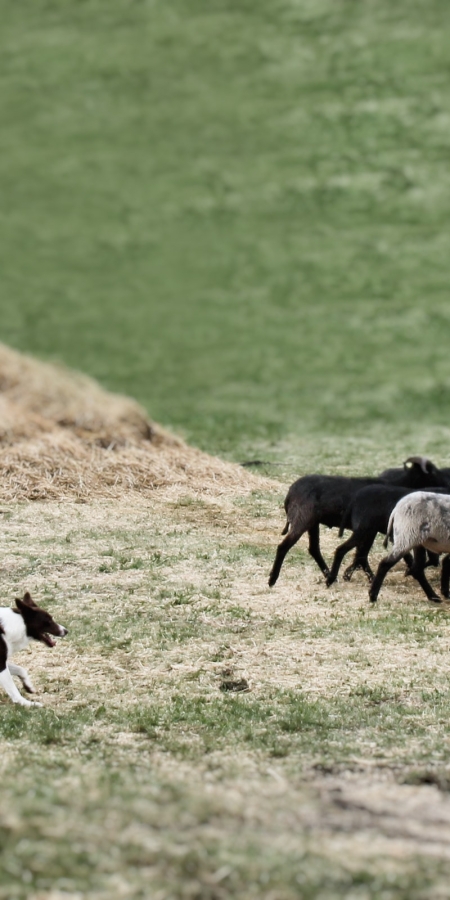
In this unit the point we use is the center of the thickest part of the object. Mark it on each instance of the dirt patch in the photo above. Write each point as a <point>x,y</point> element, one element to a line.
<point>62,435</point>
<point>374,815</point>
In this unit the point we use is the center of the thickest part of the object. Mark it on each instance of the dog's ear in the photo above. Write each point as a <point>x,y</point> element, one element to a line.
<point>26,603</point>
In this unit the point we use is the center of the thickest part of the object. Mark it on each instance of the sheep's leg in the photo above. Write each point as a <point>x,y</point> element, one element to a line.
<point>339,554</point>
<point>419,575</point>
<point>367,569</point>
<point>385,565</point>
<point>417,570</point>
<point>348,572</point>
<point>445,576</point>
<point>291,538</point>
<point>409,560</point>
<point>361,560</point>
<point>314,549</point>
<point>433,559</point>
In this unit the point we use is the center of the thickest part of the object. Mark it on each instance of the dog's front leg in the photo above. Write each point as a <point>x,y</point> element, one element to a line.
<point>24,677</point>
<point>8,684</point>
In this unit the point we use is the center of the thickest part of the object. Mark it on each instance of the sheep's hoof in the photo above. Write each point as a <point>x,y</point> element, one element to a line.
<point>329,581</point>
<point>348,575</point>
<point>373,599</point>
<point>272,581</point>
<point>435,599</point>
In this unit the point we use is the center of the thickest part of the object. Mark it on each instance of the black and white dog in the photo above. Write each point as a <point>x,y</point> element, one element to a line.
<point>17,627</point>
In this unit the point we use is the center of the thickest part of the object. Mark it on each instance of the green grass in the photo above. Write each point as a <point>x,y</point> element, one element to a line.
<point>236,212</point>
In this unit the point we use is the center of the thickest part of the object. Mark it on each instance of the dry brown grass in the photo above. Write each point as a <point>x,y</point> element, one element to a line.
<point>62,435</point>
<point>293,639</point>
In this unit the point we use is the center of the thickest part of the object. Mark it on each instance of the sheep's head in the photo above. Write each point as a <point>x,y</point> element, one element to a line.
<point>422,473</point>
<point>423,462</point>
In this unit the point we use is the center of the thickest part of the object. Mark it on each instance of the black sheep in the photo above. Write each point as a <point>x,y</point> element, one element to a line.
<point>315,500</point>
<point>366,516</point>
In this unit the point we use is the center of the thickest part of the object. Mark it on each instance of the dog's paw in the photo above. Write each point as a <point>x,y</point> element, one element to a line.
<point>25,702</point>
<point>29,687</point>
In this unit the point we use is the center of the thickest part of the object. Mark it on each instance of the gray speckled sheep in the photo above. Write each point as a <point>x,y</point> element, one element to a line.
<point>419,520</point>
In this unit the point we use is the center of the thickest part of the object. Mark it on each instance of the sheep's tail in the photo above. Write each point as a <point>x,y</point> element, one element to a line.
<point>286,528</point>
<point>345,521</point>
<point>390,529</point>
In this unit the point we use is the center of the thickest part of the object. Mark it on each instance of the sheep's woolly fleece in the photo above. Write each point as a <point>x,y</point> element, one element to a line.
<point>62,435</point>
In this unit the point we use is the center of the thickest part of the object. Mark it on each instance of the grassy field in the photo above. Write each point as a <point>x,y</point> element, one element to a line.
<point>142,777</point>
<point>237,212</point>
<point>234,211</point>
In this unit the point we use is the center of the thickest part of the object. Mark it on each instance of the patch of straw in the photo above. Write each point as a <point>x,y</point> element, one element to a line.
<point>62,435</point>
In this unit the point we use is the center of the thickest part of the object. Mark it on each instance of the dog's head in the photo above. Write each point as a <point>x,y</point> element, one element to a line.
<point>38,622</point>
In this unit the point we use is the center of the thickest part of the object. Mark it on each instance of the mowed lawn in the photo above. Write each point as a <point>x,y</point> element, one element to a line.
<point>237,212</point>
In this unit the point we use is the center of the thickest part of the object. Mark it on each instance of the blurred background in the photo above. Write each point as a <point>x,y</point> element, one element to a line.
<point>234,210</point>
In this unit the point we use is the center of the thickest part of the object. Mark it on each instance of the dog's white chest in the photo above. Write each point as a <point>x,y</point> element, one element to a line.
<point>15,633</point>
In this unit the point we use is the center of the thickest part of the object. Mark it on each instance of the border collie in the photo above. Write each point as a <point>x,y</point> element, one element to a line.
<point>17,627</point>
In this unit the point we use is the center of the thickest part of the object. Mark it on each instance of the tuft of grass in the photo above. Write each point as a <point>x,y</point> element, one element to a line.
<point>193,725</point>
<point>44,726</point>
